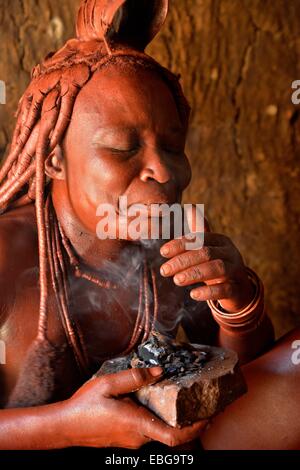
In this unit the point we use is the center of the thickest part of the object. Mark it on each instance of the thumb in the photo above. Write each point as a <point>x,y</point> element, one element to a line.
<point>197,226</point>
<point>131,380</point>
<point>196,220</point>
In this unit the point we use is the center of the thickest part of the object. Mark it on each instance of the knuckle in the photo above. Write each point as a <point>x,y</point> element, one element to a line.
<point>195,273</point>
<point>104,387</point>
<point>191,258</point>
<point>181,262</point>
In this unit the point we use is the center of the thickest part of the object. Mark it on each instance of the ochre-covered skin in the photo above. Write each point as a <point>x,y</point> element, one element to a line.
<point>101,119</point>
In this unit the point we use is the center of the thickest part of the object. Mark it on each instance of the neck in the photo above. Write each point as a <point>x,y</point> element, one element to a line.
<point>91,251</point>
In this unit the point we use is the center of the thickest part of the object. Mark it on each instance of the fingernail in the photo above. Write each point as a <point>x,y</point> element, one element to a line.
<point>179,278</point>
<point>156,371</point>
<point>165,251</point>
<point>165,270</point>
<point>194,295</point>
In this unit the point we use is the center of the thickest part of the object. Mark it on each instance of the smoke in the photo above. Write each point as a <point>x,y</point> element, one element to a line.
<point>123,302</point>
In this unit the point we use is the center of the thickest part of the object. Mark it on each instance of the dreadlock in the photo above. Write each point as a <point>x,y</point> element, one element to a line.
<point>43,115</point>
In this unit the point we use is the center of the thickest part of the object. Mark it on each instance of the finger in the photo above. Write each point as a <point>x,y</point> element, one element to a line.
<point>180,245</point>
<point>157,430</point>
<point>220,291</point>
<point>128,381</point>
<point>213,270</point>
<point>148,427</point>
<point>192,258</point>
<point>189,433</point>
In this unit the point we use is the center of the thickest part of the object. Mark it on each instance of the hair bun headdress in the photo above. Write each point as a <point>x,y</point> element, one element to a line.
<point>131,22</point>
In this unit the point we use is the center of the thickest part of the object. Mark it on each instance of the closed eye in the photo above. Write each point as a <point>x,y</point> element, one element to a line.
<point>123,151</point>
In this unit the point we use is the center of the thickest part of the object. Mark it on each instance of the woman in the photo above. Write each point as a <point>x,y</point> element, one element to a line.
<point>100,120</point>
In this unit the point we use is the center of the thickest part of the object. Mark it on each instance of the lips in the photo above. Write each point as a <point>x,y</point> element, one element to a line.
<point>154,209</point>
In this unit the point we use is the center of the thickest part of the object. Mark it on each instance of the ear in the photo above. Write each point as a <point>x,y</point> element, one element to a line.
<point>55,164</point>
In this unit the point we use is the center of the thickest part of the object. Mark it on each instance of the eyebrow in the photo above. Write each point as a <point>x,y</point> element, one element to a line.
<point>103,131</point>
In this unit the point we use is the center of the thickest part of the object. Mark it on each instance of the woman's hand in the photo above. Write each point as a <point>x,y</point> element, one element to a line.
<point>101,414</point>
<point>217,264</point>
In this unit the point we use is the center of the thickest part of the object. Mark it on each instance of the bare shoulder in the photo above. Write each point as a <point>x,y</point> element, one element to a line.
<point>18,246</point>
<point>18,235</point>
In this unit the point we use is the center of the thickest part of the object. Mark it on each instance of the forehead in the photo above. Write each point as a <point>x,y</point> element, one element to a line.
<point>132,94</point>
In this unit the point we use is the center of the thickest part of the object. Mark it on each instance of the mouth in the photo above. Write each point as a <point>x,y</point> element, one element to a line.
<point>157,210</point>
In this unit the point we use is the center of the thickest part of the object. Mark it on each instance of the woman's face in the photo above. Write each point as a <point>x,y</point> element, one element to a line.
<point>125,139</point>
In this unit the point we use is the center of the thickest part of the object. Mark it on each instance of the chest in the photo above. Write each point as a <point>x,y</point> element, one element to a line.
<point>107,318</point>
<point>104,318</point>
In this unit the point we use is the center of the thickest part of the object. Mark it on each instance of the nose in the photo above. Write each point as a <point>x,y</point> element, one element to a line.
<point>155,168</point>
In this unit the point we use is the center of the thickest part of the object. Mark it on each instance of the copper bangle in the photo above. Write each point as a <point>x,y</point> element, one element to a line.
<point>248,318</point>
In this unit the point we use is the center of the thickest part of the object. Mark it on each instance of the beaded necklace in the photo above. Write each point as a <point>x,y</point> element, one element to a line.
<point>63,255</point>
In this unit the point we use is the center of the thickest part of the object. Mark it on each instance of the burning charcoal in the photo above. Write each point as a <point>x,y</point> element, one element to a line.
<point>185,353</point>
<point>171,370</point>
<point>158,350</point>
<point>150,350</point>
<point>199,359</point>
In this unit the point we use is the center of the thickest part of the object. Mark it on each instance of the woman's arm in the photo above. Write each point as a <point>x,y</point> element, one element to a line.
<point>35,428</point>
<point>200,327</point>
<point>99,414</point>
<point>249,331</point>
<point>249,345</point>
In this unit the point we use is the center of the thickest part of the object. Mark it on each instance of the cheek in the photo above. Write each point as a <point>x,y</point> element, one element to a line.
<point>91,183</point>
<point>183,173</point>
